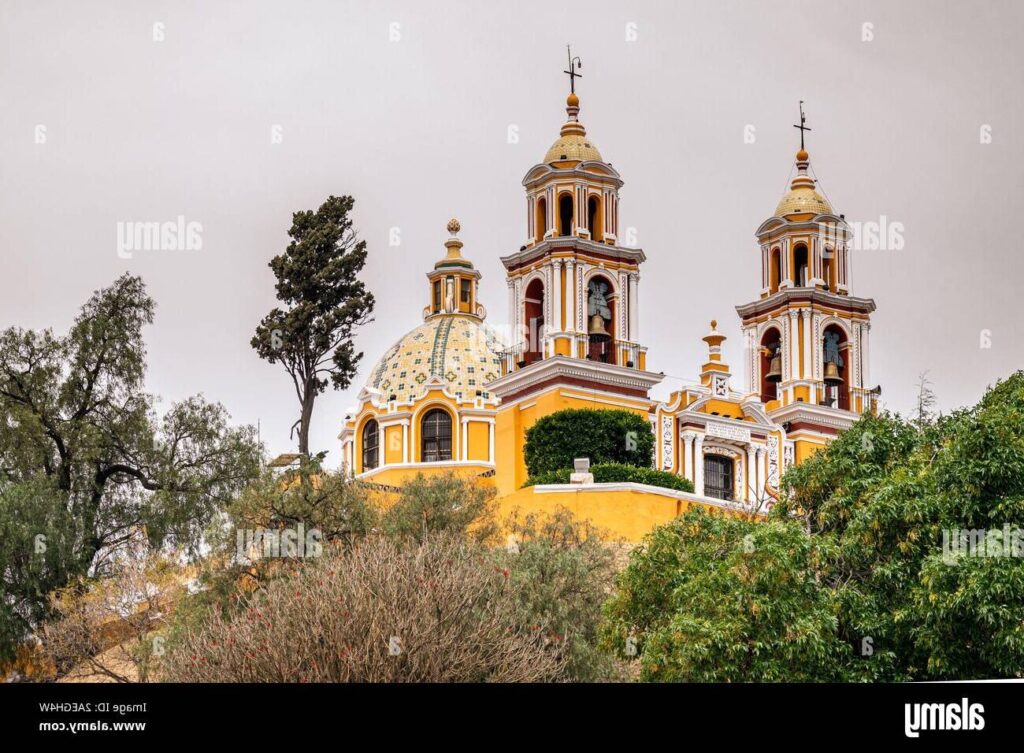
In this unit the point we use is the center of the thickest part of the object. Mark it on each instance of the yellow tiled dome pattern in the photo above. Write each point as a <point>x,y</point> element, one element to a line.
<point>460,350</point>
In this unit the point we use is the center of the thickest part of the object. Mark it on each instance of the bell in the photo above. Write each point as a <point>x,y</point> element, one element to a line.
<point>596,330</point>
<point>832,374</point>
<point>774,369</point>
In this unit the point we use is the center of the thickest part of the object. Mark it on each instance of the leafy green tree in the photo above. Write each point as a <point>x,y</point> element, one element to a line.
<point>86,464</point>
<point>717,598</point>
<point>855,568</point>
<point>604,436</point>
<point>324,301</point>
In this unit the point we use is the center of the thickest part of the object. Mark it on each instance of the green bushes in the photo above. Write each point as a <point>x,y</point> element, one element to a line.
<point>604,436</point>
<point>605,473</point>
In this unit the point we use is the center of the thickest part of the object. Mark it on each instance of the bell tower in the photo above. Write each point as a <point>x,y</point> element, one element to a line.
<point>573,293</point>
<point>806,337</point>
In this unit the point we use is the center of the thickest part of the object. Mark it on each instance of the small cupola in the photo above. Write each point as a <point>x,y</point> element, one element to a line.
<point>453,281</point>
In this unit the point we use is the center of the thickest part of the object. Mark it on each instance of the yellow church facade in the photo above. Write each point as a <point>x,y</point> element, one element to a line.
<point>452,396</point>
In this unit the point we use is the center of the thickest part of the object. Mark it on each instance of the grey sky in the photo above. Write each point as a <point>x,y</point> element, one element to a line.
<point>416,130</point>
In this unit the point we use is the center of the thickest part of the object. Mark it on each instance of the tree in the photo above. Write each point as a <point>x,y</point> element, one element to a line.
<point>324,301</point>
<point>895,554</point>
<point>717,598</point>
<point>85,463</point>
<point>106,627</point>
<point>604,436</point>
<point>924,409</point>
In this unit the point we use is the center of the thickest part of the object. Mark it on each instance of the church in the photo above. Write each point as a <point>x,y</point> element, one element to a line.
<point>454,396</point>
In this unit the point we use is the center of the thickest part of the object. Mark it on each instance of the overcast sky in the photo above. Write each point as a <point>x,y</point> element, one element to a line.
<point>416,129</point>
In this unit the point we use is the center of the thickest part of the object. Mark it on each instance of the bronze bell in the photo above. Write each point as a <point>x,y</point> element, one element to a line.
<point>832,374</point>
<point>774,369</point>
<point>596,330</point>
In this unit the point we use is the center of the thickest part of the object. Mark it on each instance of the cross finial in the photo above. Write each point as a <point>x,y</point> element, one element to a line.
<point>574,63</point>
<point>802,127</point>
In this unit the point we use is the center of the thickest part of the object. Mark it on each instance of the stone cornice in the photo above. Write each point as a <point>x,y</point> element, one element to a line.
<point>579,246</point>
<point>791,297</point>
<point>814,414</point>
<point>563,366</point>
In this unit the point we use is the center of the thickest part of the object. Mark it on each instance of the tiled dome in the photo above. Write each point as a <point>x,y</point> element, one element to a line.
<point>460,350</point>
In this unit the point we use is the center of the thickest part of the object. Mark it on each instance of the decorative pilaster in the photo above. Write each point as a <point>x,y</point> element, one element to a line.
<point>750,488</point>
<point>794,338</point>
<point>698,460</point>
<point>634,308</point>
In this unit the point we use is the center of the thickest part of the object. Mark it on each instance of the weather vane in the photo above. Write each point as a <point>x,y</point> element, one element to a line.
<point>802,127</point>
<point>574,63</point>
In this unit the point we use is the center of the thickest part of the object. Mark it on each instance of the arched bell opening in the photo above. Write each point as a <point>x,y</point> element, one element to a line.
<point>801,274</point>
<point>533,321</point>
<point>565,214</point>
<point>595,218</point>
<point>770,364</point>
<point>835,367</point>
<point>774,267</point>
<point>601,305</point>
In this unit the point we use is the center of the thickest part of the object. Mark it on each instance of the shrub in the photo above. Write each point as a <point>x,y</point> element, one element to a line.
<point>617,472</point>
<point>384,610</point>
<point>563,571</point>
<point>604,436</point>
<point>442,503</point>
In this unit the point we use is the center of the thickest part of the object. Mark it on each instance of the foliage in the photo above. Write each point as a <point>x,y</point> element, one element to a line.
<point>324,300</point>
<point>714,598</point>
<point>80,435</point>
<point>562,571</point>
<point>617,472</point>
<point>333,504</point>
<point>106,626</point>
<point>604,436</point>
<point>385,610</point>
<point>865,528</point>
<point>430,504</point>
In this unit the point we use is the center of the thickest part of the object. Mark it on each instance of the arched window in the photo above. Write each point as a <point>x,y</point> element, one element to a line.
<point>594,218</point>
<point>565,214</point>
<point>542,218</point>
<point>774,266</point>
<point>800,272</point>
<point>718,477</point>
<point>371,445</point>
<point>436,431</point>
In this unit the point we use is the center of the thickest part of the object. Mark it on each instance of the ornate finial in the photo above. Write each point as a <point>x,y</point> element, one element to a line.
<point>574,63</point>
<point>802,156</point>
<point>714,324</point>
<point>454,227</point>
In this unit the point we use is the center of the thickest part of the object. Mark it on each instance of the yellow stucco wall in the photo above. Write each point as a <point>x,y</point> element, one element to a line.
<point>513,421</point>
<point>627,514</point>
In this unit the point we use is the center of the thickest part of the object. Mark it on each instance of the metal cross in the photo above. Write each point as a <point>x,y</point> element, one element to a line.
<point>574,63</point>
<point>802,127</point>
